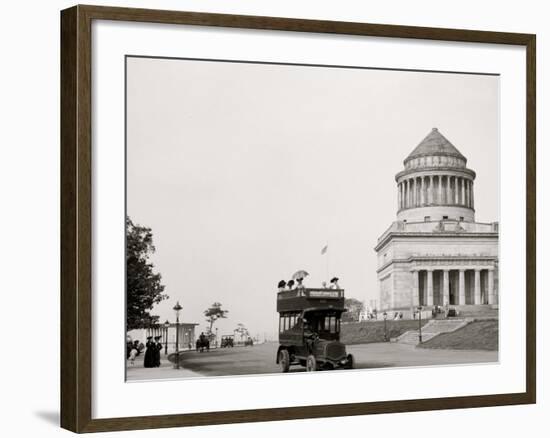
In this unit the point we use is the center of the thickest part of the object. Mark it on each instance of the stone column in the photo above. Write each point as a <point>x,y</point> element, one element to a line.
<point>439,191</point>
<point>445,287</point>
<point>477,287</point>
<point>461,288</point>
<point>423,192</point>
<point>463,197</point>
<point>398,196</point>
<point>449,197</point>
<point>472,192</point>
<point>491,286</point>
<point>416,294</point>
<point>431,192</point>
<point>457,200</point>
<point>430,300</point>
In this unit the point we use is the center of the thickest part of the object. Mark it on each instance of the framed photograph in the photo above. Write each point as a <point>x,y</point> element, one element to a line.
<point>325,218</point>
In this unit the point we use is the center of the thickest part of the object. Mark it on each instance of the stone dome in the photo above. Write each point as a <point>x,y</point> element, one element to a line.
<point>434,144</point>
<point>435,183</point>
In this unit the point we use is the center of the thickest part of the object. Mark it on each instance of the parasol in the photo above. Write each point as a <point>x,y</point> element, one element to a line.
<point>300,274</point>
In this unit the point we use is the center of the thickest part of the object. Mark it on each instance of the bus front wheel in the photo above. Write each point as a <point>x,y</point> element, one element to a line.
<point>284,360</point>
<point>311,363</point>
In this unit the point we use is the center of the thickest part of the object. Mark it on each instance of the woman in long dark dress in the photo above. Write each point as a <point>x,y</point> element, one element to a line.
<point>150,348</point>
<point>157,350</point>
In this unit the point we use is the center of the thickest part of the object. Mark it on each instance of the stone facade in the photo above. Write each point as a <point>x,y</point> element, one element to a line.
<point>435,253</point>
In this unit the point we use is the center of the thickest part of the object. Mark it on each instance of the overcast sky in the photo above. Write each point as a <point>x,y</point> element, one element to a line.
<point>245,171</point>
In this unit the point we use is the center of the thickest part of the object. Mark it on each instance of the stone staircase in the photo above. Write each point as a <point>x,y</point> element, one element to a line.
<point>433,328</point>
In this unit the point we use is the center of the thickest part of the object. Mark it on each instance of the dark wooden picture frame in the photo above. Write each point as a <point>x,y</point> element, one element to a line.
<point>76,218</point>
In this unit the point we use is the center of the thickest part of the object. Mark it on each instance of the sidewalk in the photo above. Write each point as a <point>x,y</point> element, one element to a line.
<point>165,371</point>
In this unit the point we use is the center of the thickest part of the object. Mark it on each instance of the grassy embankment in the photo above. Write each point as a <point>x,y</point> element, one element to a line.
<point>478,335</point>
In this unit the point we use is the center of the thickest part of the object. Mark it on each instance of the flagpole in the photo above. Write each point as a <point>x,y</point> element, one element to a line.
<point>328,255</point>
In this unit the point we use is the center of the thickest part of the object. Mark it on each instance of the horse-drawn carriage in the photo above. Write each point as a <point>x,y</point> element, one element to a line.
<point>203,343</point>
<point>227,341</point>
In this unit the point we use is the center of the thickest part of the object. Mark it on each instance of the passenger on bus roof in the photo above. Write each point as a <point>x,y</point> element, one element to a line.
<point>334,283</point>
<point>281,285</point>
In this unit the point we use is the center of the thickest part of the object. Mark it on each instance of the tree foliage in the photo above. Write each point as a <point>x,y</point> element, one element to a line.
<point>242,331</point>
<point>143,286</point>
<point>213,313</point>
<point>354,308</point>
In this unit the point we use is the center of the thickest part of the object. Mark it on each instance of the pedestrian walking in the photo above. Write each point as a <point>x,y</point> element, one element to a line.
<point>157,350</point>
<point>149,359</point>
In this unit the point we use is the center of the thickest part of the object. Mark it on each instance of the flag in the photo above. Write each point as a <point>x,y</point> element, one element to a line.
<point>324,250</point>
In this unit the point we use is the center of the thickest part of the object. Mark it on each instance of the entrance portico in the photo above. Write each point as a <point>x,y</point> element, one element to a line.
<point>452,285</point>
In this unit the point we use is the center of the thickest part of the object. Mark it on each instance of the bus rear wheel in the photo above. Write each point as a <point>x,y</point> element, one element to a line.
<point>350,362</point>
<point>284,360</point>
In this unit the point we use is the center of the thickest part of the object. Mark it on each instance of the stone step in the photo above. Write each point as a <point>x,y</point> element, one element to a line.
<point>412,338</point>
<point>443,326</point>
<point>430,330</point>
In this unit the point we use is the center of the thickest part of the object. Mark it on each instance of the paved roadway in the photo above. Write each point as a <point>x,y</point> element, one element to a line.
<point>260,359</point>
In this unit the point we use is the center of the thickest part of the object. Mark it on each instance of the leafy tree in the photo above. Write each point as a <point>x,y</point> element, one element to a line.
<point>213,313</point>
<point>242,331</point>
<point>354,308</point>
<point>143,285</point>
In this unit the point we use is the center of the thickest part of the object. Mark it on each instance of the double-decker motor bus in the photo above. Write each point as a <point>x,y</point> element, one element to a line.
<point>309,329</point>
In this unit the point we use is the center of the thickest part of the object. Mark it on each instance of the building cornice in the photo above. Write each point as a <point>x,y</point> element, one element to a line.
<point>432,235</point>
<point>440,260</point>
<point>435,170</point>
<point>418,207</point>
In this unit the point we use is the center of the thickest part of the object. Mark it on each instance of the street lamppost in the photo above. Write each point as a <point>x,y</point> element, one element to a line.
<point>419,324</point>
<point>385,315</point>
<point>177,309</point>
<point>166,326</point>
<point>216,337</point>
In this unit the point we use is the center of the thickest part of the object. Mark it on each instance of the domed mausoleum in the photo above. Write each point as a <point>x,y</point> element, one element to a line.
<point>435,253</point>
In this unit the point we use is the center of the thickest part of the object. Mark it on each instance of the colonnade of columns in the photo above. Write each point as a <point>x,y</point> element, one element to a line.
<point>448,293</point>
<point>435,190</point>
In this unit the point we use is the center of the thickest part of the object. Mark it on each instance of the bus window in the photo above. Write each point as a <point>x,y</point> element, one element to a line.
<point>333,324</point>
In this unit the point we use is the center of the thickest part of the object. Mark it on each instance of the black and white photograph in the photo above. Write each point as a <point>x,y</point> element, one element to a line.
<point>286,218</point>
<point>274,219</point>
